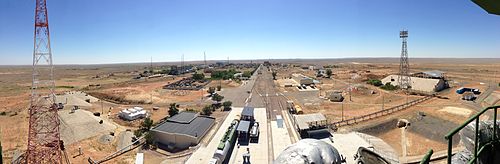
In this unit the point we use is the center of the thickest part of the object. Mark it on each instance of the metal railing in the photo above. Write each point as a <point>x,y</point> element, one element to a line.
<point>379,113</point>
<point>477,150</point>
<point>427,158</point>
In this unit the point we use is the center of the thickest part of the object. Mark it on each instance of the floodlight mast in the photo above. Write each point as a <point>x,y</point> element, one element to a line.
<point>404,66</point>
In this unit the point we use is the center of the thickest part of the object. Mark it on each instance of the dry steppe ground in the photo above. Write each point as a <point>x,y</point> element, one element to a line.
<point>117,80</point>
<point>476,73</point>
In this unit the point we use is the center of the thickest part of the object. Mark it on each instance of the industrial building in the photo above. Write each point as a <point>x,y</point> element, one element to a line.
<point>312,125</point>
<point>421,84</point>
<point>132,113</point>
<point>303,80</point>
<point>182,130</point>
<point>336,97</point>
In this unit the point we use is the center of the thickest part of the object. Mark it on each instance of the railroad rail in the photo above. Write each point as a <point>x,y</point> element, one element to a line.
<point>380,113</point>
<point>132,146</point>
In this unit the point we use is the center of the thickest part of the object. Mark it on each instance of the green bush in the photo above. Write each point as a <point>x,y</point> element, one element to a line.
<point>173,110</point>
<point>198,76</point>
<point>227,105</point>
<point>329,72</point>
<point>217,97</point>
<point>207,110</point>
<point>226,74</point>
<point>374,82</point>
<point>388,86</point>
<point>247,74</point>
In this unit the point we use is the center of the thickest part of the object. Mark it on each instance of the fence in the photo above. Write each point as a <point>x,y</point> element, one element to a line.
<point>377,114</point>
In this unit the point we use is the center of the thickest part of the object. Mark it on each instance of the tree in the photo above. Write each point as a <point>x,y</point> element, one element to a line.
<point>173,110</point>
<point>274,75</point>
<point>198,76</point>
<point>147,123</point>
<point>211,90</point>
<point>227,105</point>
<point>329,72</point>
<point>217,98</point>
<point>247,74</point>
<point>138,133</point>
<point>207,110</point>
<point>219,88</point>
<point>149,138</point>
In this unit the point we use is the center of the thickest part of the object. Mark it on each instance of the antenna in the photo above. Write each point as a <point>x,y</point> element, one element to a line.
<point>43,134</point>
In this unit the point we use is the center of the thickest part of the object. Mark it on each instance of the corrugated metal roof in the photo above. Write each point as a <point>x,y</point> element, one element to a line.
<point>244,126</point>
<point>434,73</point>
<point>196,128</point>
<point>183,117</point>
<point>304,120</point>
<point>247,111</point>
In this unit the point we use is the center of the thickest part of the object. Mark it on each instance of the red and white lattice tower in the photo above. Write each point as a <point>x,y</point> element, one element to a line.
<point>43,135</point>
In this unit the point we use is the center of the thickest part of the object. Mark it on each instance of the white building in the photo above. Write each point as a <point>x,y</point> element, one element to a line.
<point>132,113</point>
<point>418,83</point>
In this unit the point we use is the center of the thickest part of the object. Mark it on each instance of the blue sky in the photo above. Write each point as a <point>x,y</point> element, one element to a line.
<point>119,31</point>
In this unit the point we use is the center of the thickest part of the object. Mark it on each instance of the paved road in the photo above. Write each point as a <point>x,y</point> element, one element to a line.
<point>240,96</point>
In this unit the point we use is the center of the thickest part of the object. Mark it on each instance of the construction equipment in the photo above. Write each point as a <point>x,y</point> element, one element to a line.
<point>43,134</point>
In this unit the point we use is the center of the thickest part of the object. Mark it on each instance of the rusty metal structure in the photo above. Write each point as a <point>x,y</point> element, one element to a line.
<point>43,136</point>
<point>404,65</point>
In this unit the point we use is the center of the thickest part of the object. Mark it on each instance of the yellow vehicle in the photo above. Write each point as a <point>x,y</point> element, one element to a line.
<point>298,110</point>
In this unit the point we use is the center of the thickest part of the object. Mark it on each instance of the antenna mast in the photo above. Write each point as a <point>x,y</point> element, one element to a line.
<point>43,133</point>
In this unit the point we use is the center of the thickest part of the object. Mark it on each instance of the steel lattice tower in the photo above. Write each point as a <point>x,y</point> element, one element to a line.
<point>404,65</point>
<point>43,135</point>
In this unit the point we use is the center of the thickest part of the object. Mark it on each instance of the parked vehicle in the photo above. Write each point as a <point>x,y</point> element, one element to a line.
<point>463,90</point>
<point>254,132</point>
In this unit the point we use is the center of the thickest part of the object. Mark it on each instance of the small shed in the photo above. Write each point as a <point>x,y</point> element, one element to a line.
<point>247,114</point>
<point>336,97</point>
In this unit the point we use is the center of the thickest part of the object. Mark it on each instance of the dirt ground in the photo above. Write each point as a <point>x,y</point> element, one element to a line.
<point>117,79</point>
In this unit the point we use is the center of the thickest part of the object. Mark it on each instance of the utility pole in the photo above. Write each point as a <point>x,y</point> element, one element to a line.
<point>342,110</point>
<point>383,100</point>
<point>43,134</point>
<point>102,107</point>
<point>182,64</point>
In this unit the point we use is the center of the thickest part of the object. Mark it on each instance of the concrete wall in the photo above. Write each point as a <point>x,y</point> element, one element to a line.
<point>418,84</point>
<point>178,140</point>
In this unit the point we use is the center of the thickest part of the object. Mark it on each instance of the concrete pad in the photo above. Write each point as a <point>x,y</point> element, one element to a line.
<point>259,152</point>
<point>347,144</point>
<point>204,153</point>
<point>281,138</point>
<point>81,125</point>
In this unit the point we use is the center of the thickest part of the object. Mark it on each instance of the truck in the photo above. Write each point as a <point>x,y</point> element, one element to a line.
<point>462,90</point>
